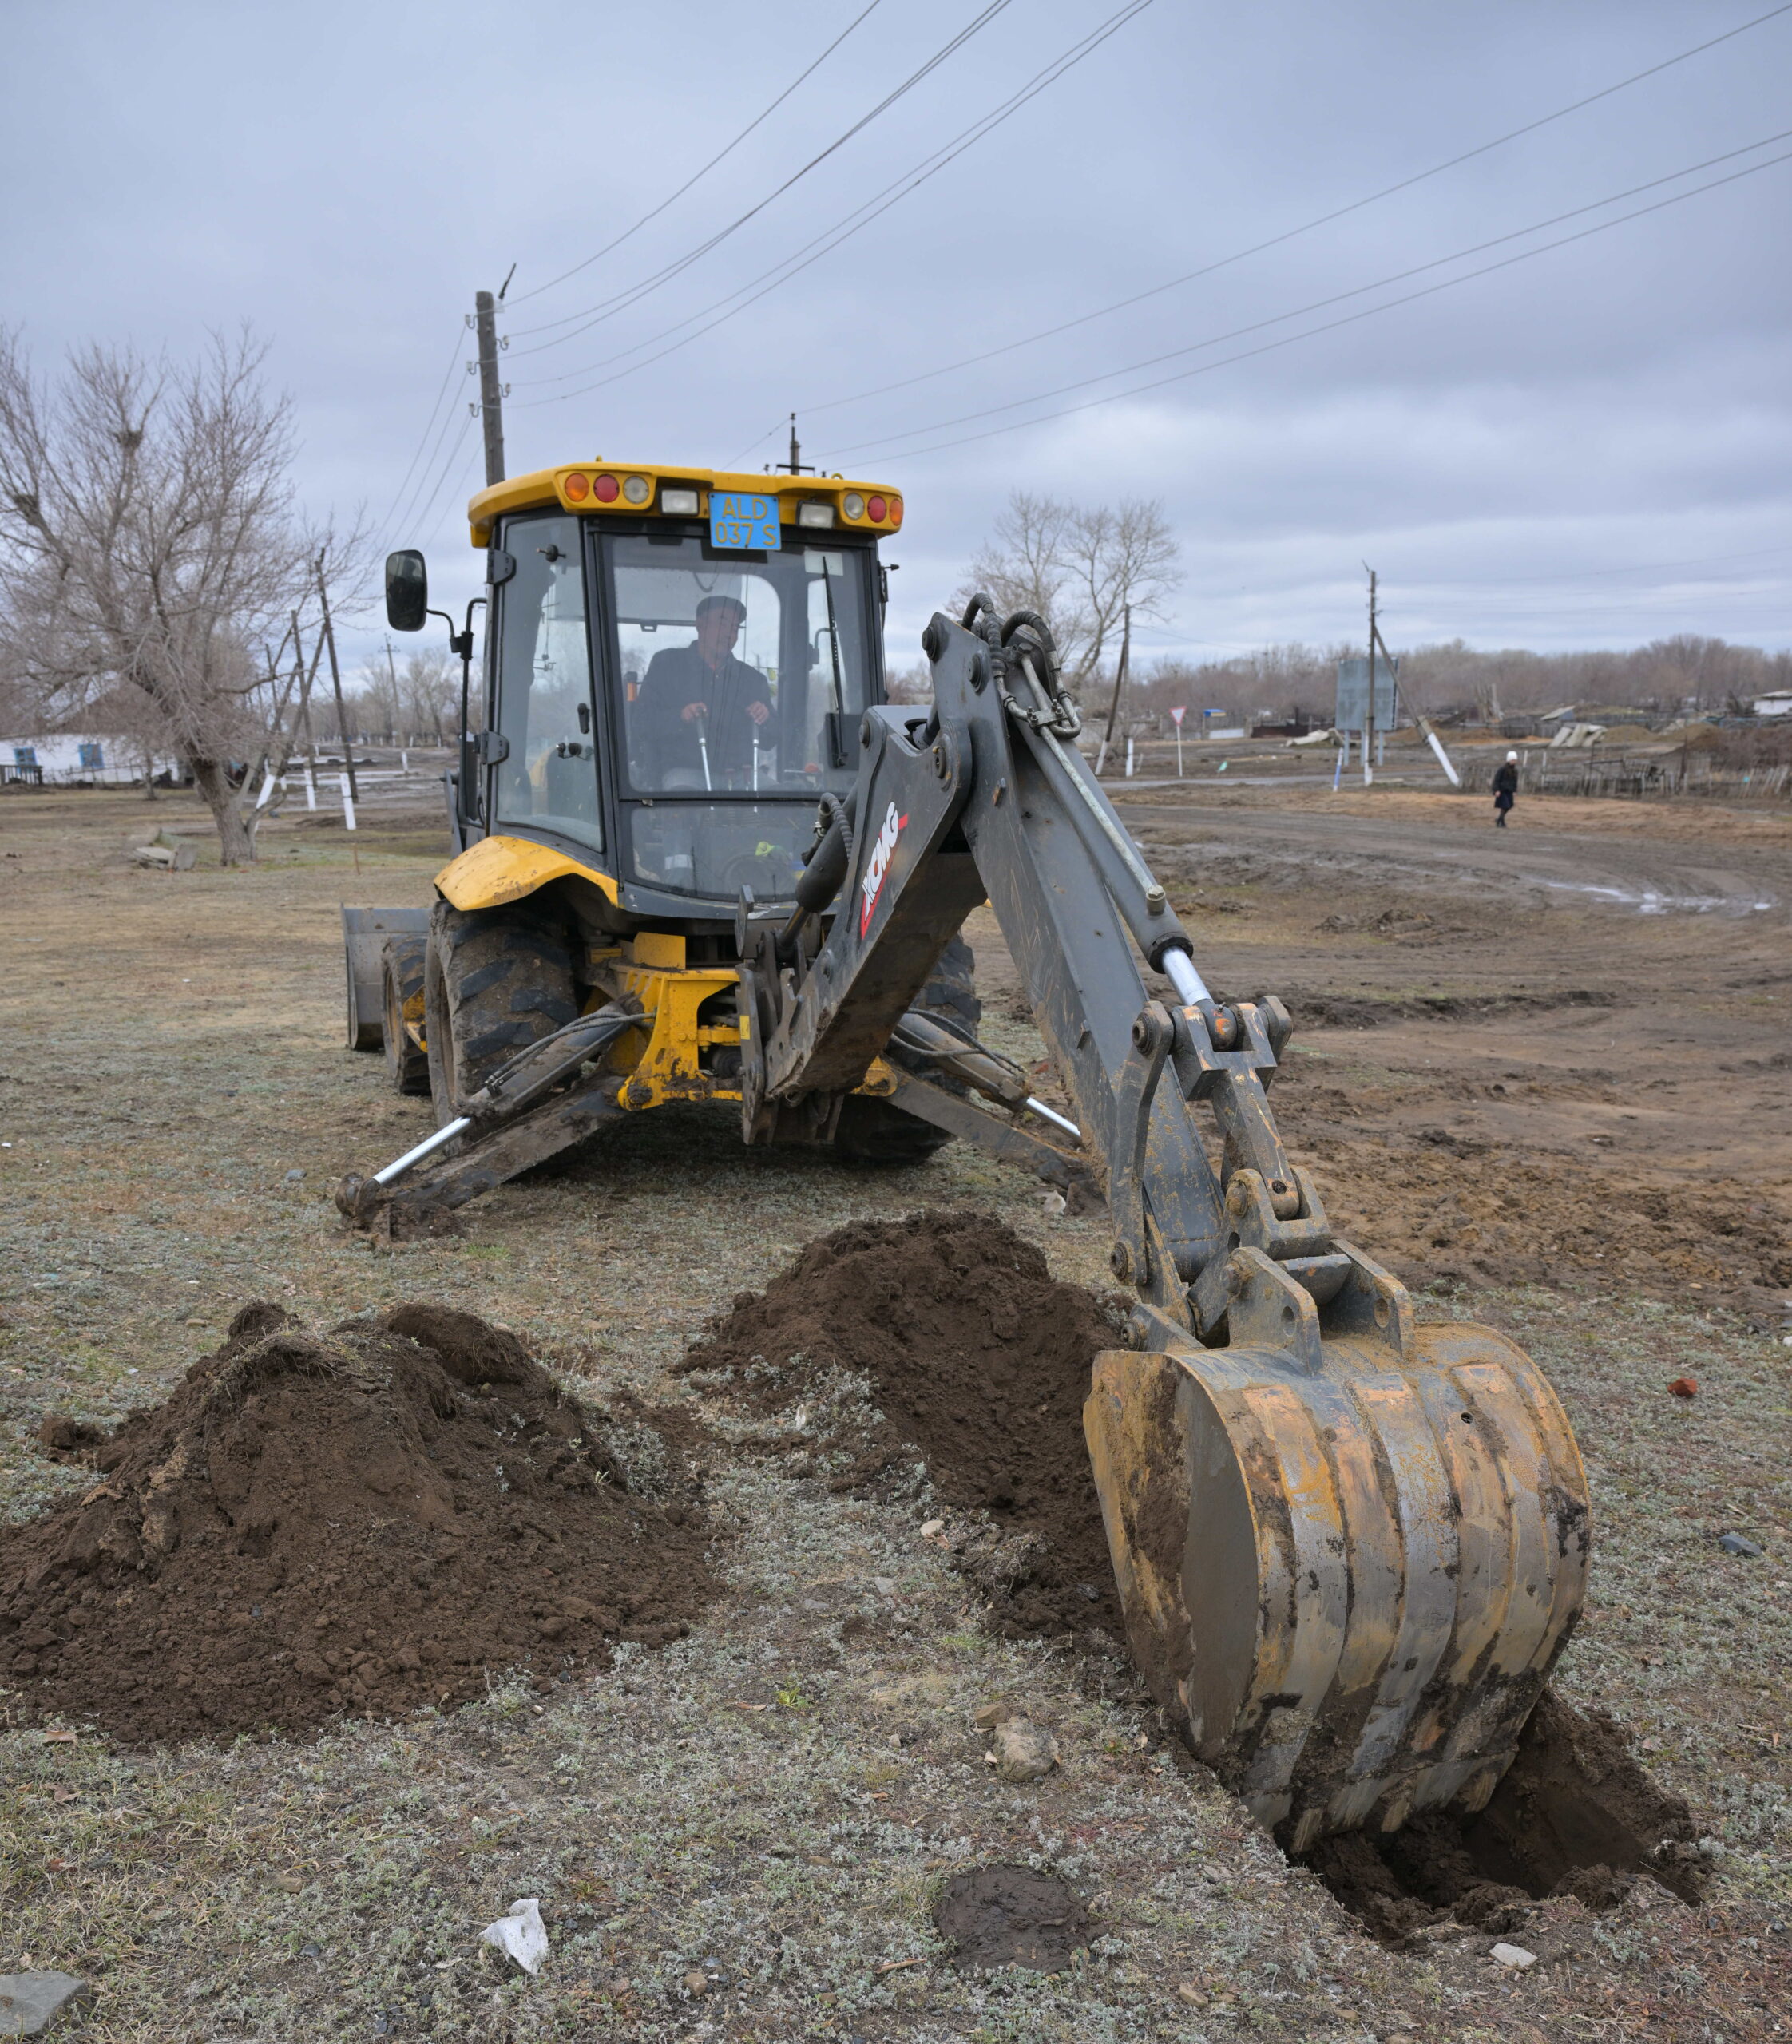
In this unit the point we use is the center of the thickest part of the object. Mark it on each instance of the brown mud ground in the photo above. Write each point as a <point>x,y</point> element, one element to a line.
<point>775,1804</point>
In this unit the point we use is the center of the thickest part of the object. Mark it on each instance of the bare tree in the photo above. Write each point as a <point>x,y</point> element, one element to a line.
<point>1079,567</point>
<point>376,700</point>
<point>913,685</point>
<point>152,547</point>
<point>429,683</point>
<point>1025,564</point>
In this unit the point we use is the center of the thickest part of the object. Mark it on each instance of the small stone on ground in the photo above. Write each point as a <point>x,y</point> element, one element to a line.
<point>1023,1751</point>
<point>29,2002</point>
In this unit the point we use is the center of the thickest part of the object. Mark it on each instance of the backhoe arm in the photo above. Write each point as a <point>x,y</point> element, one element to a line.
<point>1349,1548</point>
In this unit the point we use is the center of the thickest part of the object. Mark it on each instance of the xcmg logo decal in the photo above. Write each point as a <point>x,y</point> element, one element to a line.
<point>877,867</point>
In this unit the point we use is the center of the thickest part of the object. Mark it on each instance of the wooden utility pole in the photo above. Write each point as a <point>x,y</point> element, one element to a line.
<point>1369,713</point>
<point>336,680</point>
<point>305,687</point>
<point>491,393</point>
<point>1120,682</point>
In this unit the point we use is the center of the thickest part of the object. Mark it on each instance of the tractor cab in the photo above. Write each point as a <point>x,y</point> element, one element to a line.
<point>675,666</point>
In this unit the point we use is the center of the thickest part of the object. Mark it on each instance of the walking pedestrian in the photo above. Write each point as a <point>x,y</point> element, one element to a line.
<point>1506,789</point>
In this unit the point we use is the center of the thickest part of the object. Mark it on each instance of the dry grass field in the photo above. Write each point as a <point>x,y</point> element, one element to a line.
<point>1546,1078</point>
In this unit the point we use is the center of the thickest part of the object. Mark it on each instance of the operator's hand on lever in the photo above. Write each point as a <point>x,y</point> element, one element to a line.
<point>692,710</point>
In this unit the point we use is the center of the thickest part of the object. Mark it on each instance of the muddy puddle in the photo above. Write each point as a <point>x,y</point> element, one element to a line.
<point>1012,1916</point>
<point>367,1520</point>
<point>974,1364</point>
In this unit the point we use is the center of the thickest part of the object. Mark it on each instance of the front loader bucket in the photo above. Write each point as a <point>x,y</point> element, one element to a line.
<point>1347,1587</point>
<point>364,934</point>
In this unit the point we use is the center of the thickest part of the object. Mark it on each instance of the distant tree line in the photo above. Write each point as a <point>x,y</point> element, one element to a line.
<point>1688,675</point>
<point>1081,566</point>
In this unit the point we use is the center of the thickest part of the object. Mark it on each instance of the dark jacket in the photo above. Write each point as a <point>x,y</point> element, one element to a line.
<point>1505,779</point>
<point>679,676</point>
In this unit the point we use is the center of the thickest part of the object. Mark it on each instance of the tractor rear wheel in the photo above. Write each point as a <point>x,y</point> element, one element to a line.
<point>401,990</point>
<point>871,1130</point>
<point>495,981</point>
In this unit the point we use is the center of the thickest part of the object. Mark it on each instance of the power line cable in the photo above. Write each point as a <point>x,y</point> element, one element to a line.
<point>697,176</point>
<point>1323,220</point>
<point>842,230</point>
<point>471,468</point>
<point>752,446</point>
<point>1585,574</point>
<point>1331,325</point>
<point>1643,601</point>
<point>421,495</point>
<point>1336,298</point>
<point>427,509</point>
<point>607,308</point>
<point>423,439</point>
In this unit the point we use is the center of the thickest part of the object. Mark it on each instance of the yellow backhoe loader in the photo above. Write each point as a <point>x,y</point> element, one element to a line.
<point>703,859</point>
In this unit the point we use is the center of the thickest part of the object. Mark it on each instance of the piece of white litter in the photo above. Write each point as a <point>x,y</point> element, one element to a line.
<point>522,1933</point>
<point>934,1526</point>
<point>1515,1956</point>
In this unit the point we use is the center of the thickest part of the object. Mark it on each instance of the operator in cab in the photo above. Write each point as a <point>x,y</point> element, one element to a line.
<point>701,708</point>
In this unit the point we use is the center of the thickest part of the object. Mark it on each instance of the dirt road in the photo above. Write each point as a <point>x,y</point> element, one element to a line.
<point>1556,1055</point>
<point>1454,853</point>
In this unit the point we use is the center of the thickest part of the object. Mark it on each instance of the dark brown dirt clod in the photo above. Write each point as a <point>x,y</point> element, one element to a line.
<point>366,1521</point>
<point>979,1359</point>
<point>1006,1915</point>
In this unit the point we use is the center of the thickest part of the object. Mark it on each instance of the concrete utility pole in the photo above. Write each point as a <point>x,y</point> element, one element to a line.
<point>492,393</point>
<point>336,679</point>
<point>1368,714</point>
<point>392,678</point>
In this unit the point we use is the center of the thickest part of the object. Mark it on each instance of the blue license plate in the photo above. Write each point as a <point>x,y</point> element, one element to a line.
<point>737,518</point>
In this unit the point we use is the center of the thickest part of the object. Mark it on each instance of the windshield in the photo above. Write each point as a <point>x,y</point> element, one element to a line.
<point>744,674</point>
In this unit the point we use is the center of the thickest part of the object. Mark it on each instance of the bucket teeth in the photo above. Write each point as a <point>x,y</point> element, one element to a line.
<point>1348,1585</point>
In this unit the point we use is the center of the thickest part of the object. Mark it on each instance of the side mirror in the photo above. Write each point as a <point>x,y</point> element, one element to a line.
<point>407,590</point>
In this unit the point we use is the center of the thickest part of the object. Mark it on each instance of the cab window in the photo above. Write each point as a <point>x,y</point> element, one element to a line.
<point>549,777</point>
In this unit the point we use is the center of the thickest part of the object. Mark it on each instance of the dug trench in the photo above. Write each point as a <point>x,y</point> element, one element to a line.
<point>935,1359</point>
<point>366,1521</point>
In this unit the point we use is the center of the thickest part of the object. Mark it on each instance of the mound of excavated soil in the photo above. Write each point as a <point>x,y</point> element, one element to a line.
<point>367,1520</point>
<point>979,1360</point>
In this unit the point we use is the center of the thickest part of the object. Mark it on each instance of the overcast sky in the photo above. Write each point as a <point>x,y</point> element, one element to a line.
<point>1593,446</point>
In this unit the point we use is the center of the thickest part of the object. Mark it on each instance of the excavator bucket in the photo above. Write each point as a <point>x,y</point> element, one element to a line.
<point>1347,1584</point>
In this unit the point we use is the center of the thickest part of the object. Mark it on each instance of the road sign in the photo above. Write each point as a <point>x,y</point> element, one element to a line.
<point>1353,694</point>
<point>1176,717</point>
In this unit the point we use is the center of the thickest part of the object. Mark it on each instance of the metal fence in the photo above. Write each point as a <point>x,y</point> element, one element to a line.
<point>1636,777</point>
